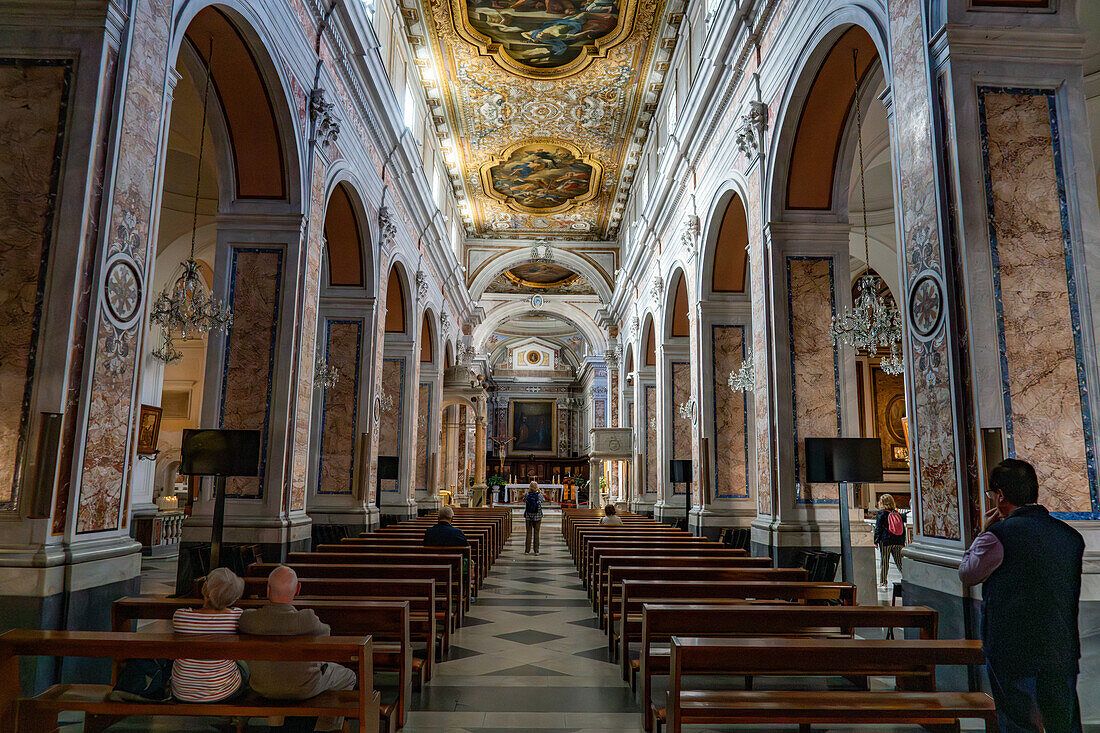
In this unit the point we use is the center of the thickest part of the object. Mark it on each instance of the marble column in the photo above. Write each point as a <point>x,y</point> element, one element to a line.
<point>646,450</point>
<point>815,382</point>
<point>480,487</point>
<point>1001,295</point>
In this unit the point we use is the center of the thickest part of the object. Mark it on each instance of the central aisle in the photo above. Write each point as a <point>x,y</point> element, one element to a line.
<point>530,655</point>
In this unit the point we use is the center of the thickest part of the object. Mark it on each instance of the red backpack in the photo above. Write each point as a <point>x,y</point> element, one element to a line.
<point>895,525</point>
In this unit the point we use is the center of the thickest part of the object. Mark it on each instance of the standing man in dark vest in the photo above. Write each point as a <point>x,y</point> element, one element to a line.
<point>1029,565</point>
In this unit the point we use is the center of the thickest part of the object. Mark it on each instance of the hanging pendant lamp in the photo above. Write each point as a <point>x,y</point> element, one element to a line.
<point>187,309</point>
<point>872,322</point>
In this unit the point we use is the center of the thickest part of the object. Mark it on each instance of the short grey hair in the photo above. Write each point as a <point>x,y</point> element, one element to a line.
<point>222,588</point>
<point>446,513</point>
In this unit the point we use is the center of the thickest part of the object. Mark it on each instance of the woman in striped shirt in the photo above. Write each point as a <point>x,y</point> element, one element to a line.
<point>210,680</point>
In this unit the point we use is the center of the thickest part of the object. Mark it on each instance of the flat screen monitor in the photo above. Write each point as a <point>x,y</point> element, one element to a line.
<point>388,467</point>
<point>850,460</point>
<point>679,471</point>
<point>220,453</point>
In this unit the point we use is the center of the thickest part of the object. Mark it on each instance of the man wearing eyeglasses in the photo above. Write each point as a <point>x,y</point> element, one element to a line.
<point>1029,565</point>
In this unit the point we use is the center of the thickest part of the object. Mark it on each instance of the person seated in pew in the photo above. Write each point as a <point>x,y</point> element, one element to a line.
<point>210,680</point>
<point>445,534</point>
<point>610,518</point>
<point>292,680</point>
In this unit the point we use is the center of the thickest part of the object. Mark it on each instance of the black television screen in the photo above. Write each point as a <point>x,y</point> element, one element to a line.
<point>851,460</point>
<point>220,453</point>
<point>388,467</point>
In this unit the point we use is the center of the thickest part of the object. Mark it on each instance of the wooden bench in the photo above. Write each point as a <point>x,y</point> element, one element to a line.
<point>398,549</point>
<point>662,621</point>
<point>601,557</point>
<point>580,531</point>
<point>387,623</point>
<point>617,575</point>
<point>38,714</point>
<point>414,537</point>
<point>596,545</point>
<point>623,537</point>
<point>602,589</point>
<point>419,593</point>
<point>445,590</point>
<point>912,660</point>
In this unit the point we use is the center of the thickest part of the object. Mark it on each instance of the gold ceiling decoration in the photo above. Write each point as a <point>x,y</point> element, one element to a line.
<point>541,177</point>
<point>548,39</point>
<point>519,78</point>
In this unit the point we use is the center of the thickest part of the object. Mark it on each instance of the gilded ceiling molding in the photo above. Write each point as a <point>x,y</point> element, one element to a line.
<point>555,49</point>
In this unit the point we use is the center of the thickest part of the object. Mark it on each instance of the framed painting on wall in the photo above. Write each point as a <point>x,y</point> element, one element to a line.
<point>534,426</point>
<point>888,396</point>
<point>148,430</point>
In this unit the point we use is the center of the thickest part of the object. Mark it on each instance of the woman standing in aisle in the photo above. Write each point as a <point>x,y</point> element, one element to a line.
<point>889,535</point>
<point>532,517</point>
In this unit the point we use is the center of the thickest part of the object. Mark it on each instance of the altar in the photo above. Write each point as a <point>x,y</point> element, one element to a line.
<point>514,492</point>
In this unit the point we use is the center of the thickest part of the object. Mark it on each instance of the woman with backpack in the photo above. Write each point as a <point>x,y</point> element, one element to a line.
<point>889,535</point>
<point>532,516</point>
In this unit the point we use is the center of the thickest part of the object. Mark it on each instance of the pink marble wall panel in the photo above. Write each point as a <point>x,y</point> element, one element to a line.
<point>389,429</point>
<point>380,338</point>
<point>1037,310</point>
<point>343,350</point>
<point>761,316</point>
<point>33,99</point>
<point>649,418</point>
<point>681,428</point>
<point>811,303</point>
<point>731,463</point>
<point>256,286</point>
<point>307,344</point>
<point>933,425</point>
<point>463,454</point>
<point>423,427</point>
<point>563,431</point>
<point>103,482</point>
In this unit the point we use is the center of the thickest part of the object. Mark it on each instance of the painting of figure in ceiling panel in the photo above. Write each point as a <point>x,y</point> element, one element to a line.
<point>545,34</point>
<point>539,278</point>
<point>542,177</point>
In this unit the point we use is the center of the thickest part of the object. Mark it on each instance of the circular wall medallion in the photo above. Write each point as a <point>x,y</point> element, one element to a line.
<point>123,290</point>
<point>533,357</point>
<point>537,301</point>
<point>926,305</point>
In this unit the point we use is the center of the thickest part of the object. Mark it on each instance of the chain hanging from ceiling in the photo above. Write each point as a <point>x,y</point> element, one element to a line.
<point>872,322</point>
<point>187,308</point>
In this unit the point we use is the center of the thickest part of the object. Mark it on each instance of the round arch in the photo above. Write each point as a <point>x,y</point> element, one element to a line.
<point>233,22</point>
<point>522,256</point>
<point>712,238</point>
<point>675,321</point>
<point>838,19</point>
<point>573,315</point>
<point>341,176</point>
<point>647,341</point>
<point>400,310</point>
<point>429,327</point>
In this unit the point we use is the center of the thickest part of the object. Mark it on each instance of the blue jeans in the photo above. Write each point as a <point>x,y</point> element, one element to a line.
<point>1038,700</point>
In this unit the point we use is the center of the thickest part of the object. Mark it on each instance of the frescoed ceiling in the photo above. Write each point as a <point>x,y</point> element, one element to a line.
<point>538,278</point>
<point>539,103</point>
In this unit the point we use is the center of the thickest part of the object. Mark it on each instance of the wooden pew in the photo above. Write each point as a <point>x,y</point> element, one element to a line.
<point>414,542</point>
<point>634,558</point>
<point>578,530</point>
<point>419,593</point>
<point>606,592</point>
<point>662,621</point>
<point>387,622</point>
<point>623,534</point>
<point>592,543</point>
<point>38,714</point>
<point>398,548</point>
<point>915,660</point>
<point>487,530</point>
<point>392,567</point>
<point>617,575</point>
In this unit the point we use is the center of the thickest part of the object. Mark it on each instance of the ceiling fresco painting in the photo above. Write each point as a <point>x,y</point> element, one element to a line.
<point>537,35</point>
<point>542,279</point>
<point>542,177</point>
<point>541,99</point>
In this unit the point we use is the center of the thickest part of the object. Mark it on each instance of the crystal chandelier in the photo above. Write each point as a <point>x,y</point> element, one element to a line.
<point>872,323</point>
<point>187,309</point>
<point>687,410</point>
<point>325,376</point>
<point>743,379</point>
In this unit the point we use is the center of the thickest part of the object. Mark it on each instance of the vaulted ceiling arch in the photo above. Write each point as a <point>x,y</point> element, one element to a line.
<point>522,256</point>
<point>566,312</point>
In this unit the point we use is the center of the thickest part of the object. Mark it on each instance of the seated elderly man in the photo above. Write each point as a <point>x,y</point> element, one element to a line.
<point>443,533</point>
<point>292,680</point>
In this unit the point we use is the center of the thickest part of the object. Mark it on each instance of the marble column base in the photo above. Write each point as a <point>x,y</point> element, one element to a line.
<point>642,506</point>
<point>427,505</point>
<point>398,511</point>
<point>68,588</point>
<point>710,521</point>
